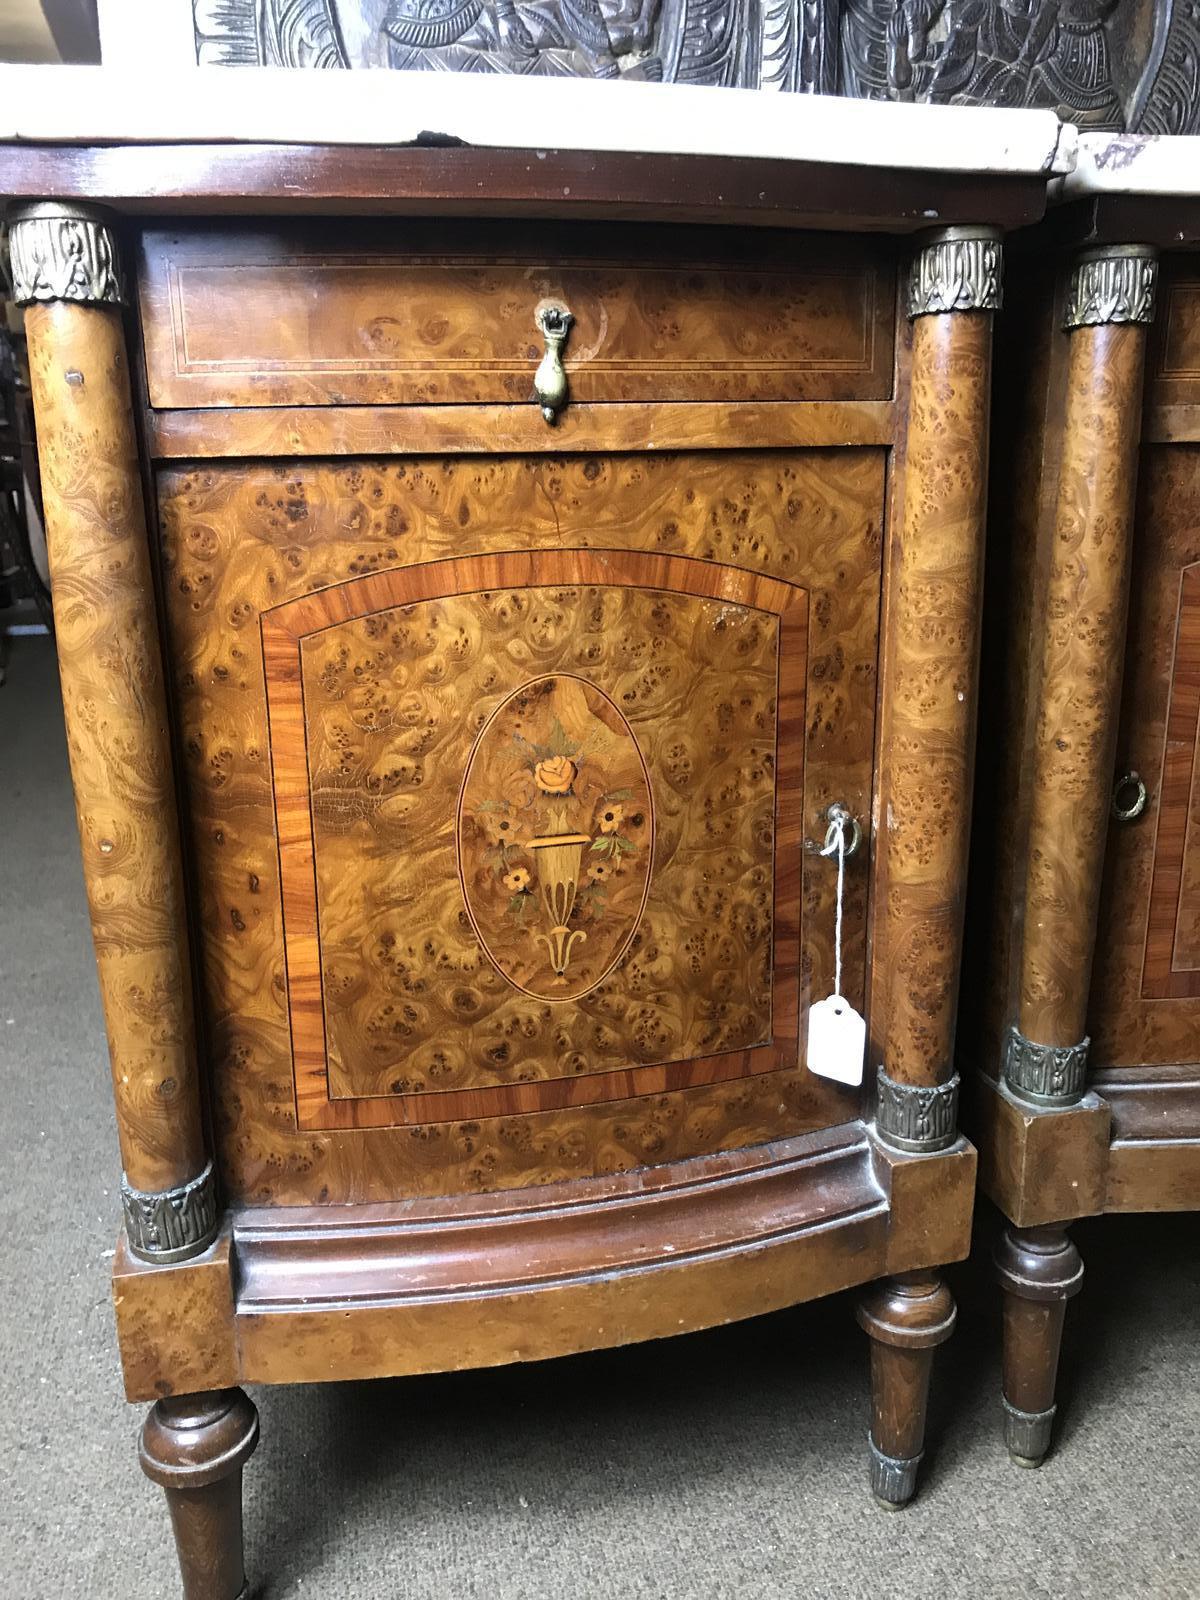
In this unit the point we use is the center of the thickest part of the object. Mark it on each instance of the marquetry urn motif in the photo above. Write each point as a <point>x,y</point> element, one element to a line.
<point>555,836</point>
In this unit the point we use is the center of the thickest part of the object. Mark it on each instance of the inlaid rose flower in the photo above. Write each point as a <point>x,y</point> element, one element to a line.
<point>555,775</point>
<point>518,880</point>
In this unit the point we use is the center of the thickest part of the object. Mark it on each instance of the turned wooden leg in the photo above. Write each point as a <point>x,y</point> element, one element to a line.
<point>906,1317</point>
<point>195,1446</point>
<point>1039,1270</point>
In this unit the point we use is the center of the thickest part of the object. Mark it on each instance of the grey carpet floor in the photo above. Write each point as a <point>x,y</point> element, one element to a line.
<point>726,1464</point>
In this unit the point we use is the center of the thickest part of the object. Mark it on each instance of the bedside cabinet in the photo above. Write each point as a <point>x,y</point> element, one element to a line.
<point>1086,900</point>
<point>479,639</point>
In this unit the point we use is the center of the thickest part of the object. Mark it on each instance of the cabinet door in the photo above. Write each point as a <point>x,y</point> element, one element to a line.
<point>1146,992</point>
<point>500,777</point>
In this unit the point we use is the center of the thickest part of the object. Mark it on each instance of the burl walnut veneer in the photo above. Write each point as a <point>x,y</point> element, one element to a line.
<point>1085,1053</point>
<point>471,754</point>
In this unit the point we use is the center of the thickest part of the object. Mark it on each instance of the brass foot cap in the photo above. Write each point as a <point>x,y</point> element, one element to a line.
<point>1027,1434</point>
<point>893,1480</point>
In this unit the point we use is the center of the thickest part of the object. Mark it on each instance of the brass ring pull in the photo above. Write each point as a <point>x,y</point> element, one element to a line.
<point>550,380</point>
<point>1128,798</point>
<point>842,822</point>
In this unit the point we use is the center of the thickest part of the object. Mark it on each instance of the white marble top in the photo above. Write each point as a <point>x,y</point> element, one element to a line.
<point>108,105</point>
<point>1131,163</point>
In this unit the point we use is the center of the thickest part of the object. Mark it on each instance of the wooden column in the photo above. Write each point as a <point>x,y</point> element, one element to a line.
<point>932,681</point>
<point>1111,301</point>
<point>109,652</point>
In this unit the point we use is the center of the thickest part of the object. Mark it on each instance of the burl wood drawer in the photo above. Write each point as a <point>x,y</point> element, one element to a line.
<point>301,316</point>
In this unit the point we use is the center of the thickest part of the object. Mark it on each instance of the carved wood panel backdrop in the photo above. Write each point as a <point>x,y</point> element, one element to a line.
<point>1131,64</point>
<point>419,1046</point>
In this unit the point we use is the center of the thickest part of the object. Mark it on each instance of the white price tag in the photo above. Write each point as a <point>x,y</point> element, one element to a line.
<point>837,1040</point>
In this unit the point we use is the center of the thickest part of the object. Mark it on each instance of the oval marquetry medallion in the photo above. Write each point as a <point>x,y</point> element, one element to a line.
<point>555,836</point>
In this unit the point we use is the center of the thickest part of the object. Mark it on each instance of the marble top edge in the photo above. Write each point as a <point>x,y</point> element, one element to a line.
<point>108,105</point>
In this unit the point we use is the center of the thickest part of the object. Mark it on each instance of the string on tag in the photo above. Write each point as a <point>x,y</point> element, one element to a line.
<point>840,821</point>
<point>837,916</point>
<point>836,1033</point>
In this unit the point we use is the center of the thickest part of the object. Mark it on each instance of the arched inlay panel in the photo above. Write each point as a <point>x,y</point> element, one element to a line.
<point>510,888</point>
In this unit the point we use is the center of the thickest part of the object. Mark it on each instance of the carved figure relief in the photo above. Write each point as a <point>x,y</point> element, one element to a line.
<point>983,52</point>
<point>572,37</point>
<point>1104,63</point>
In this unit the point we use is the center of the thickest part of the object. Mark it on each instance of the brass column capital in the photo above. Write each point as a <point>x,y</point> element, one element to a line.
<point>1045,1074</point>
<point>1113,284</point>
<point>171,1224</point>
<point>919,1118</point>
<point>63,251</point>
<point>956,269</point>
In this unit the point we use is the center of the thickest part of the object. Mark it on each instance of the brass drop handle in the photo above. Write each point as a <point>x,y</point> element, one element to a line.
<point>550,380</point>
<point>1128,798</point>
